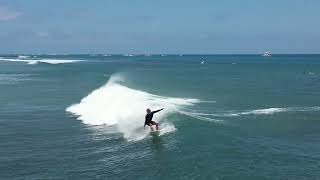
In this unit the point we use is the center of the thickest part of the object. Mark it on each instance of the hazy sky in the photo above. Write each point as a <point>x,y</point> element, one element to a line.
<point>162,26</point>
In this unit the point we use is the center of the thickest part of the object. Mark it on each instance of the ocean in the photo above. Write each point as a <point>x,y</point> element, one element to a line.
<point>225,117</point>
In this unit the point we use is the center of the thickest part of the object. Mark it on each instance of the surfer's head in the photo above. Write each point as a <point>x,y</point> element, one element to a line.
<point>148,110</point>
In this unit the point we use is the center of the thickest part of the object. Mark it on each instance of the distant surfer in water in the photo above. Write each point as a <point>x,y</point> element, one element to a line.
<point>149,117</point>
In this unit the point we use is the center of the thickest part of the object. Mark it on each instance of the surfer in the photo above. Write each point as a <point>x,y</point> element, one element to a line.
<point>149,117</point>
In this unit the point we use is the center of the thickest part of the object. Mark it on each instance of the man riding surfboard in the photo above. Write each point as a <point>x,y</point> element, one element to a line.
<point>149,121</point>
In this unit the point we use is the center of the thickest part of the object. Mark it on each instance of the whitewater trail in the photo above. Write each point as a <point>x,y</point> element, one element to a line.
<point>118,105</point>
<point>267,111</point>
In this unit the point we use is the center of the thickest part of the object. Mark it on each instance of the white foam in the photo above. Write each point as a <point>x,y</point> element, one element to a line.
<point>266,111</point>
<point>167,128</point>
<point>57,61</point>
<point>35,61</point>
<point>116,104</point>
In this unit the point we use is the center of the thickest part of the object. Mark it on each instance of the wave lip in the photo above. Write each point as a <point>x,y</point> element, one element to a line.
<point>118,105</point>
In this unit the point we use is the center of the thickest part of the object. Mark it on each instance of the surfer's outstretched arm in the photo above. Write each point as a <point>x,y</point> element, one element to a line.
<point>157,110</point>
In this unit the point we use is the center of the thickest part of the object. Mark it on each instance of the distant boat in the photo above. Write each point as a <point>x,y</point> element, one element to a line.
<point>266,54</point>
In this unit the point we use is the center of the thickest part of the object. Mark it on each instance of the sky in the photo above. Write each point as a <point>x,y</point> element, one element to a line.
<point>160,26</point>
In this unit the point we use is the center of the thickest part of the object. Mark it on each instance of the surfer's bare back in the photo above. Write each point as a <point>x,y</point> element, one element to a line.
<point>149,121</point>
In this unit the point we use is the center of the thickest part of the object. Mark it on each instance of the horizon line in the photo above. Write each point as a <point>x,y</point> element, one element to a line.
<point>151,54</point>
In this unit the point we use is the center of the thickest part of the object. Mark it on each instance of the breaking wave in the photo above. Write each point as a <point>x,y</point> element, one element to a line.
<point>118,105</point>
<point>36,61</point>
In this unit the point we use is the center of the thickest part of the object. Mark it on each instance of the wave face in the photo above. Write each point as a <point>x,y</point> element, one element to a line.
<point>116,104</point>
<point>36,61</point>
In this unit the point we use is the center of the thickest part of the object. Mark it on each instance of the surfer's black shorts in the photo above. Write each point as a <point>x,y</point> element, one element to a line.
<point>152,122</point>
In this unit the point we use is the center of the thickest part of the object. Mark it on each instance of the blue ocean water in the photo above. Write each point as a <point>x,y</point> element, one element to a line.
<point>225,117</point>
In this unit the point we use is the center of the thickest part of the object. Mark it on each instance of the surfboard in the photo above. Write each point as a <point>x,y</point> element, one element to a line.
<point>155,132</point>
